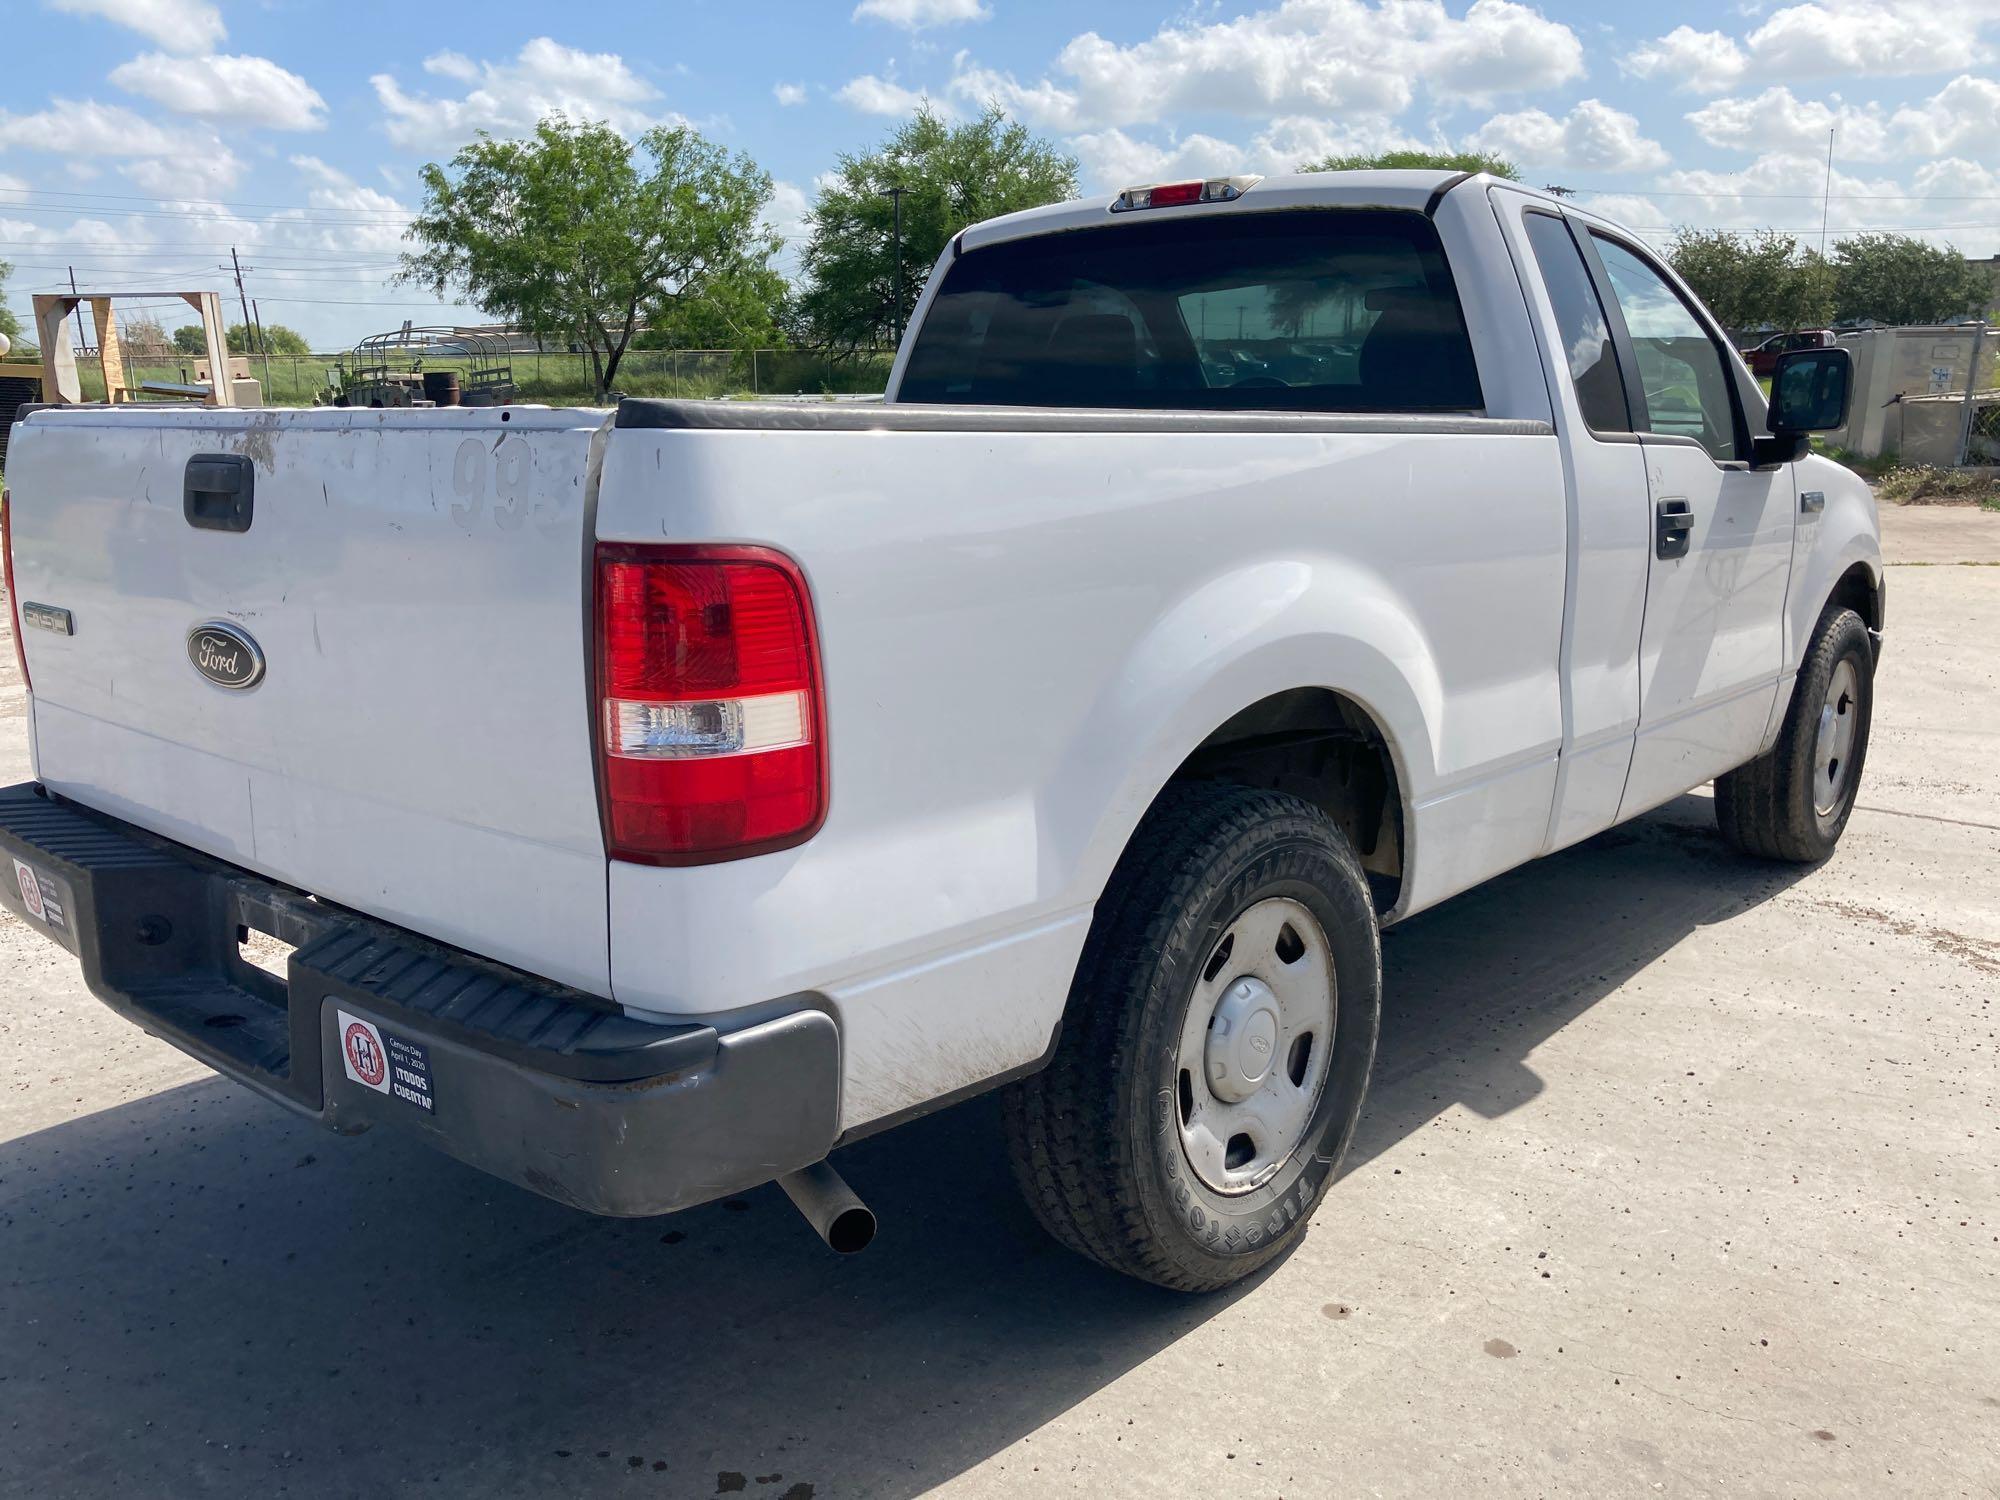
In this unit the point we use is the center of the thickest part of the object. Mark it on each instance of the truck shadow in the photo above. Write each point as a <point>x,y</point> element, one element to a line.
<point>199,1295</point>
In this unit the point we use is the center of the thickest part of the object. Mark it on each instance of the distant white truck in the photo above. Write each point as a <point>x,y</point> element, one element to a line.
<point>655,801</point>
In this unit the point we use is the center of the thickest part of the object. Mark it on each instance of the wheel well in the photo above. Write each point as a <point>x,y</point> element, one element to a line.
<point>1856,591</point>
<point>1316,744</point>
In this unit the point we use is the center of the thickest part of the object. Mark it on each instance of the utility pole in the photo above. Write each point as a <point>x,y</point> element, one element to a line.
<point>1556,191</point>
<point>1826,194</point>
<point>237,266</point>
<point>896,194</point>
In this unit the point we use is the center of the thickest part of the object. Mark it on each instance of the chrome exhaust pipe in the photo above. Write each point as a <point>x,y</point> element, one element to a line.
<point>841,1219</point>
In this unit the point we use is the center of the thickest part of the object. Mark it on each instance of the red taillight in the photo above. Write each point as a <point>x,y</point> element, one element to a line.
<point>711,730</point>
<point>13,596</point>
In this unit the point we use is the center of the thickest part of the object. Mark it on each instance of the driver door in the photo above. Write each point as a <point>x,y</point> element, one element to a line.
<point>1712,645</point>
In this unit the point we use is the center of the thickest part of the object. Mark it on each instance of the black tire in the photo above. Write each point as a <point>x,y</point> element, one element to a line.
<point>1095,1138</point>
<point>1768,807</point>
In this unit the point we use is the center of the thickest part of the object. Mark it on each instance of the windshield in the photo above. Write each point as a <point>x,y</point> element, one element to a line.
<point>1301,310</point>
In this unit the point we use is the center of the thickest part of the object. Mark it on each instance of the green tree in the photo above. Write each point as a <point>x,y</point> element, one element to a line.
<point>278,339</point>
<point>950,176</point>
<point>1899,279</point>
<point>1809,297</point>
<point>1448,161</point>
<point>9,324</point>
<point>188,339</point>
<point>579,235</point>
<point>743,310</point>
<point>1754,281</point>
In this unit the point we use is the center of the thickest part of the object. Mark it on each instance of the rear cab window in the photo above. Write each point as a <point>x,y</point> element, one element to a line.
<point>1586,334</point>
<point>1313,310</point>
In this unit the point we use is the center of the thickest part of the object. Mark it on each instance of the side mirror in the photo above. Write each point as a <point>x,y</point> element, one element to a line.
<point>1809,391</point>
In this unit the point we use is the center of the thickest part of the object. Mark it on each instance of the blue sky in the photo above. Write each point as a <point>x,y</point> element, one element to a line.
<point>140,139</point>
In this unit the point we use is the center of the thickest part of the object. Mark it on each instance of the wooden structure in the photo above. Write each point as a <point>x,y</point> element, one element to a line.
<point>61,385</point>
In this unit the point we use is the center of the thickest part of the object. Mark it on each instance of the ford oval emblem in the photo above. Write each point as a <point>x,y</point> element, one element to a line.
<point>225,655</point>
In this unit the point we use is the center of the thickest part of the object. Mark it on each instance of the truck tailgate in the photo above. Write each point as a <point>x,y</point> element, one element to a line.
<point>418,745</point>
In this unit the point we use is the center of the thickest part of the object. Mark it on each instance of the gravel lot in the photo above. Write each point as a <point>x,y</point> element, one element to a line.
<point>1679,1177</point>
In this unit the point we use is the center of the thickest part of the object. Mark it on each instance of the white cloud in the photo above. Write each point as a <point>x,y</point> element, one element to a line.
<point>786,216</point>
<point>178,25</point>
<point>1693,61</point>
<point>187,175</point>
<point>1292,141</point>
<point>1963,116</point>
<point>1777,121</point>
<point>1873,38</point>
<point>1593,136</point>
<point>1866,38</point>
<point>788,94</point>
<point>241,90</point>
<point>882,96</point>
<point>508,98</point>
<point>1312,57</point>
<point>452,65</point>
<point>916,15</point>
<point>85,128</point>
<point>1112,159</point>
<point>1781,190</point>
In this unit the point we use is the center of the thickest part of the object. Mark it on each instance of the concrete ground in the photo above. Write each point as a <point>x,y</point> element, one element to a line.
<point>1681,1175</point>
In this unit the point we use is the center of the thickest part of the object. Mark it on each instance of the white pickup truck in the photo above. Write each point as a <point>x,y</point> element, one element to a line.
<point>654,801</point>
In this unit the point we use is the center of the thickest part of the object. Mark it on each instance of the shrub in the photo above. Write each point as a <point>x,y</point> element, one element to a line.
<point>1927,484</point>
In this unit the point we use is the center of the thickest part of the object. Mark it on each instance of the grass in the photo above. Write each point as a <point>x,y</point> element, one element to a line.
<point>1926,484</point>
<point>1870,468</point>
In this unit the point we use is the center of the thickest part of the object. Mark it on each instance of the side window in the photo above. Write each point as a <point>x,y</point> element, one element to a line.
<point>1593,367</point>
<point>1684,382</point>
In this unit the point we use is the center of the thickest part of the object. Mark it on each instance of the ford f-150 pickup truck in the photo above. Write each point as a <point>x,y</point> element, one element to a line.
<point>646,803</point>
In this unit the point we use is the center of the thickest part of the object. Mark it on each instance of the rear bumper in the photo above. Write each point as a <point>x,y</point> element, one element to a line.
<point>520,1077</point>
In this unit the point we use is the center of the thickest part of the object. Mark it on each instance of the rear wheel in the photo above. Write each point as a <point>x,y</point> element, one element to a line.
<point>1217,1047</point>
<point>1793,803</point>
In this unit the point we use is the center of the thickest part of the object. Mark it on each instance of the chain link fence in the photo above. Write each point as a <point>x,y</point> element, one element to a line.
<point>562,379</point>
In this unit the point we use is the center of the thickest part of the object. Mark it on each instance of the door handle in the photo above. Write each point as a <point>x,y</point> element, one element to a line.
<point>218,492</point>
<point>1673,524</point>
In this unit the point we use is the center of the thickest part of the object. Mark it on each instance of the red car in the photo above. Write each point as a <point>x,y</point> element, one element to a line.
<point>1763,358</point>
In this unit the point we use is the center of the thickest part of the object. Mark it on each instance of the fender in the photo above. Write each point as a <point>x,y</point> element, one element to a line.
<point>1844,532</point>
<point>1826,544</point>
<point>1263,629</point>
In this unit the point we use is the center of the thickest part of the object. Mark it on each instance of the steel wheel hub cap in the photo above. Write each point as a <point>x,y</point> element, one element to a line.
<point>1255,1046</point>
<point>1242,1040</point>
<point>1833,747</point>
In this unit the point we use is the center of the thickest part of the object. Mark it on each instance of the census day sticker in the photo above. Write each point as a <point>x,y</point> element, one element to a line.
<point>378,1059</point>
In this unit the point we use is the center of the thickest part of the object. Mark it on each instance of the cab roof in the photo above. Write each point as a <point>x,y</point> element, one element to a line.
<point>1406,189</point>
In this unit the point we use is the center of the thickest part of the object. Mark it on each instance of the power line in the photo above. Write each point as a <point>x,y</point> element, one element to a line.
<point>1632,192</point>
<point>319,217</point>
<point>149,198</point>
<point>359,302</point>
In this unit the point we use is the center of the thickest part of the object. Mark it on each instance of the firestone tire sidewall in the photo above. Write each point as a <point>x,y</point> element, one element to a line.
<point>1213,1233</point>
<point>1854,644</point>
